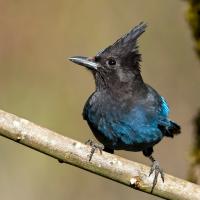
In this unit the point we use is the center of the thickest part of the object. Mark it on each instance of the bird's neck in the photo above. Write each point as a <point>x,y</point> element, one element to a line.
<point>120,86</point>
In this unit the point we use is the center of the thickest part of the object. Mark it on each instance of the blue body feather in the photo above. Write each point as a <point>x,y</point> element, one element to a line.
<point>134,128</point>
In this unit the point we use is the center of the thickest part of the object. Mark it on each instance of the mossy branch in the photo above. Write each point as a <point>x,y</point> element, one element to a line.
<point>193,18</point>
<point>113,167</point>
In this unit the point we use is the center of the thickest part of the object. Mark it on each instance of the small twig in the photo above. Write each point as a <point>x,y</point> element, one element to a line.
<point>113,167</point>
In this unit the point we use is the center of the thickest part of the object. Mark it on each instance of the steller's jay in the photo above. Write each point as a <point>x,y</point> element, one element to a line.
<point>125,113</point>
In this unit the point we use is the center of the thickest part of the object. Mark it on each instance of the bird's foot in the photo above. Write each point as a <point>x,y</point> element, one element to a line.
<point>158,170</point>
<point>94,146</point>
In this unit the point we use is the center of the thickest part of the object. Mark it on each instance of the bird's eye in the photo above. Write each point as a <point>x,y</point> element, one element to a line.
<point>111,61</point>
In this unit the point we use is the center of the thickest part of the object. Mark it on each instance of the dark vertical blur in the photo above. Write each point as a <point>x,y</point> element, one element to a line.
<point>193,18</point>
<point>38,83</point>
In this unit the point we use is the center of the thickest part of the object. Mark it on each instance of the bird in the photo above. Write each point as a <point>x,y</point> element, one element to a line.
<point>124,112</point>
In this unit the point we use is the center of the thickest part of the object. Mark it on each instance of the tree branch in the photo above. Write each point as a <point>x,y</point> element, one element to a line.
<point>113,167</point>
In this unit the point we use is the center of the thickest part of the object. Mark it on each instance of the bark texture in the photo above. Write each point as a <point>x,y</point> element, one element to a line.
<point>113,167</point>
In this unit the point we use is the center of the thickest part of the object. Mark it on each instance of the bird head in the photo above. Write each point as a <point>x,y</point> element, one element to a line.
<point>118,63</point>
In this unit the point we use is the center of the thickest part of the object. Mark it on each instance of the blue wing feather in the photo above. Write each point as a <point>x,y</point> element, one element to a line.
<point>164,107</point>
<point>133,130</point>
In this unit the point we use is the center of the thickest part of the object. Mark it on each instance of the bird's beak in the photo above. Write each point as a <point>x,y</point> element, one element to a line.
<point>84,61</point>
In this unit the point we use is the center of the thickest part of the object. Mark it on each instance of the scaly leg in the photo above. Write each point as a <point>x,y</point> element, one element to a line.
<point>155,167</point>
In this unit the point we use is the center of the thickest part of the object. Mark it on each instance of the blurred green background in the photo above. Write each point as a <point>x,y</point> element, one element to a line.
<point>38,83</point>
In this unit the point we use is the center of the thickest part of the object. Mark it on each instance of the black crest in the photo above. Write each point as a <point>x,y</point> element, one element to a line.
<point>127,44</point>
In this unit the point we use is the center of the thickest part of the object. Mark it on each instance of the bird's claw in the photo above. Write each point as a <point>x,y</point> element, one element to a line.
<point>156,168</point>
<point>94,146</point>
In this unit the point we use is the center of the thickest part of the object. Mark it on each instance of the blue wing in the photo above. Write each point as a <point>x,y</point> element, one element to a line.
<point>134,129</point>
<point>163,113</point>
<point>167,127</point>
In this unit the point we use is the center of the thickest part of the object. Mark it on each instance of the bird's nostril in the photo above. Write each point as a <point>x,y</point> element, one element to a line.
<point>96,58</point>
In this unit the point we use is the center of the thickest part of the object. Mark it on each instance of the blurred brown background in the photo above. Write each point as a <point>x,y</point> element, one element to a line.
<point>38,83</point>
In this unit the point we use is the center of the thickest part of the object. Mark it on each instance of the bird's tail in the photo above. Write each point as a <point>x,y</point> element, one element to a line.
<point>172,129</point>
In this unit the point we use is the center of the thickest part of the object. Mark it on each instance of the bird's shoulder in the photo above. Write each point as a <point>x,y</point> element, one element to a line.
<point>150,105</point>
<point>88,105</point>
<point>157,103</point>
<point>93,104</point>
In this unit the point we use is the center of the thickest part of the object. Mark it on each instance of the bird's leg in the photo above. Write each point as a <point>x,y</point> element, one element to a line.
<point>94,146</point>
<point>155,167</point>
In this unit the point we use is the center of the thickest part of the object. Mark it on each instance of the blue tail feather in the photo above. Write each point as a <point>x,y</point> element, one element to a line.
<point>171,130</point>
